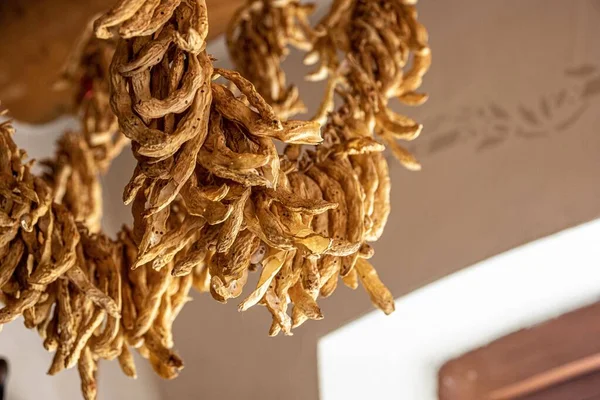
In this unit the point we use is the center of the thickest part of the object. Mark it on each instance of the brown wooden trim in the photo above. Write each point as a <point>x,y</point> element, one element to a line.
<point>526,361</point>
<point>546,379</point>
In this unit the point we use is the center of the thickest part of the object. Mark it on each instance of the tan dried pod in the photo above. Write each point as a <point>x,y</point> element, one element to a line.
<point>258,37</point>
<point>126,362</point>
<point>88,368</point>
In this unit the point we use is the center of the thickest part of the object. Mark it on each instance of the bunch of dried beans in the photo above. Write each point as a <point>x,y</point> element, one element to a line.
<point>212,198</point>
<point>196,142</point>
<point>214,153</point>
<point>258,37</point>
<point>48,276</point>
<point>386,55</point>
<point>377,39</point>
<point>68,281</point>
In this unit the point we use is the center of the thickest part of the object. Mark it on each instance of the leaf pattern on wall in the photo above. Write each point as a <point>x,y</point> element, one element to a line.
<point>490,125</point>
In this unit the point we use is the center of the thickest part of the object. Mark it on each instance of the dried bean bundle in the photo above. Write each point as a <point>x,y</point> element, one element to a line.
<point>211,197</point>
<point>71,283</point>
<point>200,145</point>
<point>226,172</point>
<point>386,55</point>
<point>258,37</point>
<point>376,39</point>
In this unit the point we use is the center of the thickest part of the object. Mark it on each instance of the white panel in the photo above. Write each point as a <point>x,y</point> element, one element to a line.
<point>397,357</point>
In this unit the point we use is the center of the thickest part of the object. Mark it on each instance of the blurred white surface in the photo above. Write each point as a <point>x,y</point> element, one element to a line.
<point>398,357</point>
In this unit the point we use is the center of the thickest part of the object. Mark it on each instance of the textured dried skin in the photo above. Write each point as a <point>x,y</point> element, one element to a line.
<point>126,362</point>
<point>305,302</point>
<point>257,38</point>
<point>197,253</point>
<point>271,266</point>
<point>66,257</point>
<point>87,368</point>
<point>135,25</point>
<point>161,324</point>
<point>355,146</point>
<point>100,252</point>
<point>319,222</point>
<point>299,204</point>
<point>201,277</point>
<point>381,198</point>
<point>272,170</point>
<point>401,154</point>
<point>178,100</point>
<point>170,243</point>
<point>364,167</point>
<point>66,328</point>
<point>379,294</point>
<point>150,54</point>
<point>51,335</point>
<point>79,279</point>
<point>158,283</point>
<point>39,315</point>
<point>276,307</point>
<point>310,280</point>
<point>83,336</point>
<point>343,173</point>
<point>278,233</point>
<point>398,126</point>
<point>233,264</point>
<point>351,279</point>
<point>249,91</point>
<point>169,362</point>
<point>264,224</point>
<point>231,227</point>
<point>130,124</point>
<point>128,309</point>
<point>162,14</point>
<point>330,285</point>
<point>13,309</point>
<point>300,132</point>
<point>332,192</point>
<point>10,261</point>
<point>121,12</point>
<point>227,158</point>
<point>197,204</point>
<point>181,296</point>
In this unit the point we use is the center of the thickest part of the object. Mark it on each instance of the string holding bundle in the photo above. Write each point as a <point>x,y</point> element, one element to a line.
<point>212,199</point>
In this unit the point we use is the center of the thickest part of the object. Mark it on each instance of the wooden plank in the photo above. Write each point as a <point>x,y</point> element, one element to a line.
<point>526,361</point>
<point>37,36</point>
<point>586,387</point>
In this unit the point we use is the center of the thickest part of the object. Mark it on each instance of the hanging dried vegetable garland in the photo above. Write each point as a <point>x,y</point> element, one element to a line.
<point>211,197</point>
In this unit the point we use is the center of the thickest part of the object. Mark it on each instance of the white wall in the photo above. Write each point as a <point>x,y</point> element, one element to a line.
<point>398,357</point>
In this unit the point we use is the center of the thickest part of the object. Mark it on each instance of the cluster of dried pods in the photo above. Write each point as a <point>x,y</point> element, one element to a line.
<point>68,280</point>
<point>384,54</point>
<point>212,198</point>
<point>258,38</point>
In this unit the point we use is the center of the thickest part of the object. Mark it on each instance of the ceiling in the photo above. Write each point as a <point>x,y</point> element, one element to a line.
<point>37,36</point>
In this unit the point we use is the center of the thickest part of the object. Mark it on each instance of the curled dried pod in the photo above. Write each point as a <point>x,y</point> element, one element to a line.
<point>258,37</point>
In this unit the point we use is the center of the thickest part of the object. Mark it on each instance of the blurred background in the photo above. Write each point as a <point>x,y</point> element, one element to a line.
<point>494,235</point>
